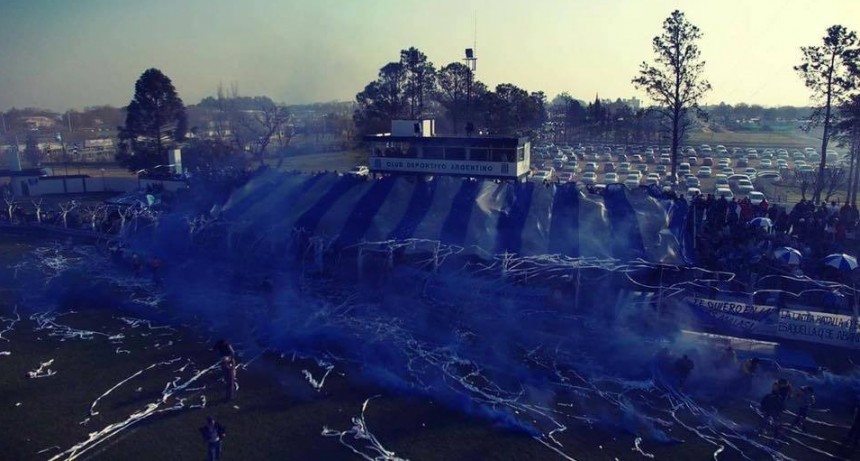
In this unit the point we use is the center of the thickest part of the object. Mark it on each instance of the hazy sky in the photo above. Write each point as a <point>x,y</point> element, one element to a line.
<point>62,53</point>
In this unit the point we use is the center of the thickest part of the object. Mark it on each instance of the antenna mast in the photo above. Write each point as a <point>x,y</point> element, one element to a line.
<point>471,67</point>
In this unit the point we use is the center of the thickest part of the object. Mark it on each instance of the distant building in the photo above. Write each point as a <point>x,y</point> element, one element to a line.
<point>35,122</point>
<point>634,103</point>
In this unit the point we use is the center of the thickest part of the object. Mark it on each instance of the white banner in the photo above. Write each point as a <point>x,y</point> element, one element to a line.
<point>746,317</point>
<point>797,325</point>
<point>818,327</point>
<point>451,167</point>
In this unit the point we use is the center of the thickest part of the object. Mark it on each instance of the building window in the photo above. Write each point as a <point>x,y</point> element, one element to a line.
<point>455,153</point>
<point>393,152</point>
<point>504,155</point>
<point>521,154</point>
<point>479,155</point>
<point>432,152</point>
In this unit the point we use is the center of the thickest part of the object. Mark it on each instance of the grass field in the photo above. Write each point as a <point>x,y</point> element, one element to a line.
<point>280,414</point>
<point>762,139</point>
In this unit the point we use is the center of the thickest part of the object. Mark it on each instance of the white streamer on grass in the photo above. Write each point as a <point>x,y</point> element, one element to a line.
<point>93,411</point>
<point>43,371</point>
<point>47,321</point>
<point>318,385</point>
<point>171,391</point>
<point>10,323</point>
<point>373,449</point>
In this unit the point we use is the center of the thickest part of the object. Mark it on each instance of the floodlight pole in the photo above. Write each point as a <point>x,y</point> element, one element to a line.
<point>471,67</point>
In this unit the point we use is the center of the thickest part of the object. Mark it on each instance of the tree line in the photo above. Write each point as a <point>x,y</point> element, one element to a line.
<point>413,88</point>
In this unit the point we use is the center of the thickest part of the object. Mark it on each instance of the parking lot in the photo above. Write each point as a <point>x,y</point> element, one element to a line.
<point>720,170</point>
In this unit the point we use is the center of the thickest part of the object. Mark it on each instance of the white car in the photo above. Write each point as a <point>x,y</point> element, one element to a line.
<point>359,170</point>
<point>724,192</point>
<point>765,163</point>
<point>744,185</point>
<point>756,197</point>
<point>589,177</point>
<point>704,172</point>
<point>769,175</point>
<point>632,181</point>
<point>541,176</point>
<point>693,191</point>
<point>610,178</point>
<point>653,179</point>
<point>545,175</point>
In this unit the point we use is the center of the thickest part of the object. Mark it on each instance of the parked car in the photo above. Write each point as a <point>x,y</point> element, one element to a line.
<point>756,197</point>
<point>610,178</point>
<point>708,161</point>
<point>359,170</point>
<point>745,185</point>
<point>543,176</point>
<point>653,179</point>
<point>632,181</point>
<point>724,192</point>
<point>772,176</point>
<point>704,172</point>
<point>589,177</point>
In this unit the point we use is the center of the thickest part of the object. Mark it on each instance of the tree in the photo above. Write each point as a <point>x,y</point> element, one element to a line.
<point>569,112</point>
<point>452,82</point>
<point>155,121</point>
<point>675,80</point>
<point>595,118</point>
<point>420,77</point>
<point>213,160</point>
<point>512,110</point>
<point>401,90</point>
<point>256,129</point>
<point>382,100</point>
<point>848,134</point>
<point>830,72</point>
<point>31,150</point>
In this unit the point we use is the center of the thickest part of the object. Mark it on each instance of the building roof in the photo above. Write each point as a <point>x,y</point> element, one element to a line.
<point>470,141</point>
<point>67,176</point>
<point>24,172</point>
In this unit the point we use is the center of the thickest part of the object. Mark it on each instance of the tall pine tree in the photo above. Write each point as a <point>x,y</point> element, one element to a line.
<point>155,122</point>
